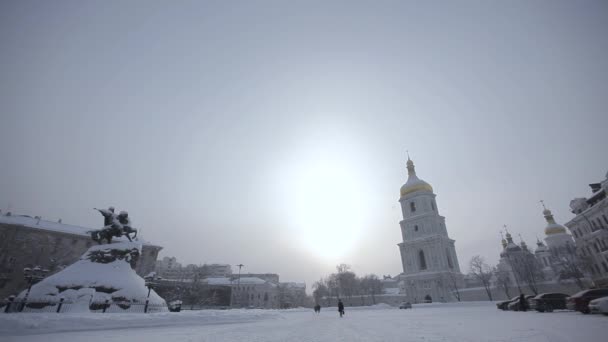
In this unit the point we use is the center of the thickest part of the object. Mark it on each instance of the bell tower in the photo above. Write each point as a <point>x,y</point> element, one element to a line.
<point>428,255</point>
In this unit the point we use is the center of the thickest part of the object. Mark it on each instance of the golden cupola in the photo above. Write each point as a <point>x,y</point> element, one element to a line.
<point>552,226</point>
<point>414,184</point>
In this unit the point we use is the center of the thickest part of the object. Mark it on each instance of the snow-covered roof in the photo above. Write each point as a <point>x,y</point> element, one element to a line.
<point>391,290</point>
<point>30,222</point>
<point>35,223</point>
<point>228,281</point>
<point>295,285</point>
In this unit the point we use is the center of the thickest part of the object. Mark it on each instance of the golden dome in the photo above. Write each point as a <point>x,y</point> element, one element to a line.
<point>552,226</point>
<point>414,183</point>
<point>554,229</point>
<point>422,186</point>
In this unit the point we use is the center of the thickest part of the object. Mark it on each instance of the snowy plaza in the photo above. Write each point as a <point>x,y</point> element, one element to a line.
<point>471,321</point>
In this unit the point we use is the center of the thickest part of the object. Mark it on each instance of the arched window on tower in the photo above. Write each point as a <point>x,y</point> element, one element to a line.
<point>421,260</point>
<point>413,207</point>
<point>447,253</point>
<point>415,228</point>
<point>433,205</point>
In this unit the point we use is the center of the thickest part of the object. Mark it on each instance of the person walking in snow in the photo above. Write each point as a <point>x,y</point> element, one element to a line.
<point>523,306</point>
<point>340,307</point>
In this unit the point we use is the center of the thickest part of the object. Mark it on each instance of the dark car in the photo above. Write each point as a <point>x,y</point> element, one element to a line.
<point>504,305</point>
<point>405,305</point>
<point>514,305</point>
<point>548,302</point>
<point>580,301</point>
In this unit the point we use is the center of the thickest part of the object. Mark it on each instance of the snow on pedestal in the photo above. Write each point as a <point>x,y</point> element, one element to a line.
<point>103,273</point>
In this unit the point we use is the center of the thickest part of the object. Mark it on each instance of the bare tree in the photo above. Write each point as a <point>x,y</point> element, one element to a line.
<point>528,269</point>
<point>347,281</point>
<point>481,271</point>
<point>503,280</point>
<point>333,287</point>
<point>371,285</point>
<point>320,290</point>
<point>451,282</point>
<point>568,265</point>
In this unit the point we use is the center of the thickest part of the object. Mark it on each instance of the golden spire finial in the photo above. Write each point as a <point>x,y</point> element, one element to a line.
<point>543,204</point>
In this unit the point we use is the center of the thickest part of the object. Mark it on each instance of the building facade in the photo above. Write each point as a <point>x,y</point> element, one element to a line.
<point>590,230</point>
<point>428,255</point>
<point>170,268</point>
<point>553,263</point>
<point>249,292</point>
<point>29,242</point>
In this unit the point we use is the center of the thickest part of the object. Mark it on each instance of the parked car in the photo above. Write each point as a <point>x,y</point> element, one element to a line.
<point>405,305</point>
<point>514,305</point>
<point>580,301</point>
<point>599,305</point>
<point>505,303</point>
<point>175,306</point>
<point>548,302</point>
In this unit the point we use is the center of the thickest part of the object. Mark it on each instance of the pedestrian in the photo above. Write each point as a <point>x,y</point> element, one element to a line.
<point>523,306</point>
<point>340,307</point>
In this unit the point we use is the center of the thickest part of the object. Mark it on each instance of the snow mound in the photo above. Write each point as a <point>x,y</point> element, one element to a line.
<point>103,273</point>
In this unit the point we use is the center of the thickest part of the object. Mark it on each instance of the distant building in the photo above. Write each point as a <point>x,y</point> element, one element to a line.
<point>552,261</point>
<point>270,277</point>
<point>249,291</point>
<point>292,294</point>
<point>590,230</point>
<point>170,268</point>
<point>218,270</point>
<point>260,290</point>
<point>28,242</point>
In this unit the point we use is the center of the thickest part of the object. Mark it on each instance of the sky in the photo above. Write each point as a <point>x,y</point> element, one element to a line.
<point>274,133</point>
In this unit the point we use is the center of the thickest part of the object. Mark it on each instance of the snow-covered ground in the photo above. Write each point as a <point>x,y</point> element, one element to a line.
<point>427,322</point>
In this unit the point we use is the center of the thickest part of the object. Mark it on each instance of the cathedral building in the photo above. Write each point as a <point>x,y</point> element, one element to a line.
<point>590,230</point>
<point>553,260</point>
<point>428,255</point>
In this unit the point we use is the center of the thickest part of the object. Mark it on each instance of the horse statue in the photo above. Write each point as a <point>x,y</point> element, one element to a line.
<point>114,226</point>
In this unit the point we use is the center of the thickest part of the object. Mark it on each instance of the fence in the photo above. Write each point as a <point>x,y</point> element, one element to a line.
<point>39,306</point>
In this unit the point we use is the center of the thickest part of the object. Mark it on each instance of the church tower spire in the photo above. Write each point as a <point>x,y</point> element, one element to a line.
<point>556,234</point>
<point>428,255</point>
<point>414,184</point>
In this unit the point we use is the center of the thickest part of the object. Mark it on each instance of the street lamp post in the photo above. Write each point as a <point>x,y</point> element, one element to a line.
<point>238,282</point>
<point>32,276</point>
<point>151,283</point>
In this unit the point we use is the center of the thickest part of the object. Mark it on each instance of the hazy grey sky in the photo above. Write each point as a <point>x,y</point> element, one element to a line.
<point>273,133</point>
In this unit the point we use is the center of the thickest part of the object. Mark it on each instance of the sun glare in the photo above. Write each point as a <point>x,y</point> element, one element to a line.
<point>327,209</point>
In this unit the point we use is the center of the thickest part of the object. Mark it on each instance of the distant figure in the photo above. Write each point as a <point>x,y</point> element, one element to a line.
<point>340,307</point>
<point>318,308</point>
<point>523,306</point>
